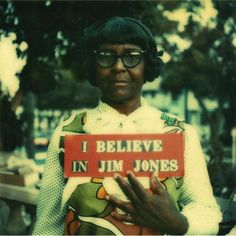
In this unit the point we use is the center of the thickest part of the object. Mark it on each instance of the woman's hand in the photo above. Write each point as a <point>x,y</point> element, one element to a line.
<point>152,209</point>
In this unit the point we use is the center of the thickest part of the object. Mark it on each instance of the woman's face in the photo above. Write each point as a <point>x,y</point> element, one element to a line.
<point>119,83</point>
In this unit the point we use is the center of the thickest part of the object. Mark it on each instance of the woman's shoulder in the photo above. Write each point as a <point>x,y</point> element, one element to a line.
<point>72,123</point>
<point>175,124</point>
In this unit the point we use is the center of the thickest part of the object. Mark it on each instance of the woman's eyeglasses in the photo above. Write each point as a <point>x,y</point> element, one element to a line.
<point>108,59</point>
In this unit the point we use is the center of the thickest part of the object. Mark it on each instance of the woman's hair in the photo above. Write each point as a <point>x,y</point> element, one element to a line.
<point>120,30</point>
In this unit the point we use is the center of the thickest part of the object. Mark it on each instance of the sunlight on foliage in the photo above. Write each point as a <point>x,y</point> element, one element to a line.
<point>10,64</point>
<point>207,14</point>
<point>182,44</point>
<point>204,15</point>
<point>180,15</point>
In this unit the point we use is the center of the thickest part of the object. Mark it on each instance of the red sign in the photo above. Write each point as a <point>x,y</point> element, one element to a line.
<point>103,155</point>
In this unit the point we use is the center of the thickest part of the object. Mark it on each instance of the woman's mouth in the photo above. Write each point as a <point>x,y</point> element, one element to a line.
<point>119,82</point>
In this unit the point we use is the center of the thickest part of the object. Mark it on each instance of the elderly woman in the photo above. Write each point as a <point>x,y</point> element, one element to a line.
<point>119,56</point>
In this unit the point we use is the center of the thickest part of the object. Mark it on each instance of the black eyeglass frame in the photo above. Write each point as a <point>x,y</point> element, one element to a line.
<point>116,56</point>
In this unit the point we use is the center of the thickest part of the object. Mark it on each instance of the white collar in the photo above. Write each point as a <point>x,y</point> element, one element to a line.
<point>104,107</point>
<point>105,119</point>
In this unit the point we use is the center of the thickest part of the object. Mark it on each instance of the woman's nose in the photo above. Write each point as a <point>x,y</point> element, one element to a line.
<point>119,65</point>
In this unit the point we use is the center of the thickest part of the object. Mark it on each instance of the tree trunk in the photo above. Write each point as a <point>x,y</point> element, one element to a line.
<point>28,119</point>
<point>215,122</point>
<point>215,150</point>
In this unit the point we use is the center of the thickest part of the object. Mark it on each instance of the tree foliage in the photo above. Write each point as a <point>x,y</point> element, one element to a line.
<point>207,66</point>
<point>53,29</point>
<point>207,69</point>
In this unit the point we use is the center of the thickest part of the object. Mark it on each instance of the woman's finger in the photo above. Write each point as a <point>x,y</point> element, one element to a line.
<point>125,206</point>
<point>155,184</point>
<point>128,190</point>
<point>123,217</point>
<point>137,187</point>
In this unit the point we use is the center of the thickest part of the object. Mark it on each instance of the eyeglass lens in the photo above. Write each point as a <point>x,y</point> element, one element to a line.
<point>129,59</point>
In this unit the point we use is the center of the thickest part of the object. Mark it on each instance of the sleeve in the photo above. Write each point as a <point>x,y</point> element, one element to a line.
<point>50,217</point>
<point>199,204</point>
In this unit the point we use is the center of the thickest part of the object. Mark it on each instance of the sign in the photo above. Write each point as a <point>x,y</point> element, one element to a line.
<point>103,155</point>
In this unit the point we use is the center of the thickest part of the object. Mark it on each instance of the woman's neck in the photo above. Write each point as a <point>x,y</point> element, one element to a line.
<point>124,107</point>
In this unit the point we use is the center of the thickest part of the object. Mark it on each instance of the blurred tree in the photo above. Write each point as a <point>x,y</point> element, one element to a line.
<point>52,31</point>
<point>207,68</point>
<point>10,65</point>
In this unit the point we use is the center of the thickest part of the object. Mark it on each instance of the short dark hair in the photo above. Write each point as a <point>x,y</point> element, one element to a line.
<point>120,30</point>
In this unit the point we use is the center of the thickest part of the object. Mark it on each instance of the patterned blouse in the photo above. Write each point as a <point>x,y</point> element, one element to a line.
<point>78,206</point>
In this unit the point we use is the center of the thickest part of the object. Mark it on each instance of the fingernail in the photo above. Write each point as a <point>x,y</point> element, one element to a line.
<point>156,173</point>
<point>115,176</point>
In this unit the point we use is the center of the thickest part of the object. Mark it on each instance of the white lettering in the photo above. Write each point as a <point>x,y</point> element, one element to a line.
<point>155,165</point>
<point>100,146</point>
<point>157,146</point>
<point>137,146</point>
<point>110,166</point>
<point>128,146</point>
<point>84,146</point>
<point>79,166</point>
<point>111,146</point>
<point>165,166</point>
<point>174,165</point>
<point>120,148</point>
<point>145,165</point>
<point>147,145</point>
